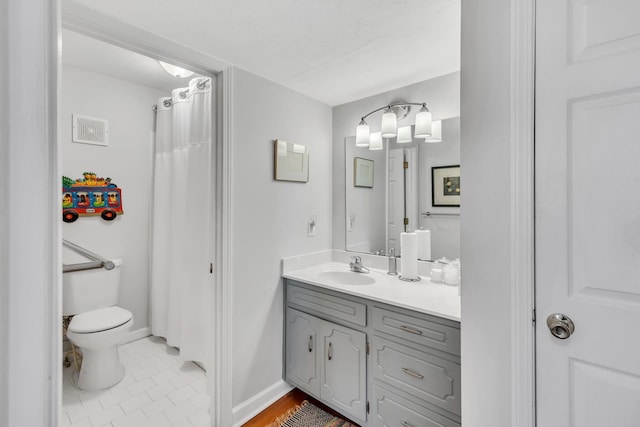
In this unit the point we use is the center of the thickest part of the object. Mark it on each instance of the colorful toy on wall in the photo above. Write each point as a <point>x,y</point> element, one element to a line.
<point>90,196</point>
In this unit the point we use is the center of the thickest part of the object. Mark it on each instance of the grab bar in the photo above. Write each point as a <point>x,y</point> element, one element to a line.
<point>96,260</point>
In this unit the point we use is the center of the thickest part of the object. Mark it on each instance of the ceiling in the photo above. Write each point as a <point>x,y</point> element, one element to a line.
<point>93,55</point>
<point>334,51</point>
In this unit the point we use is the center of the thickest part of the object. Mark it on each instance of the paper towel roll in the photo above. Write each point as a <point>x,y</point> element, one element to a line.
<point>409,256</point>
<point>424,244</point>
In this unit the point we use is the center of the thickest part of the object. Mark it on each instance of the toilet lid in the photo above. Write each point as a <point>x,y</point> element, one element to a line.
<point>99,320</point>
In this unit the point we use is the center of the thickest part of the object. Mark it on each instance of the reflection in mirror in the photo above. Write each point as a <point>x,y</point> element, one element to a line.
<point>400,198</point>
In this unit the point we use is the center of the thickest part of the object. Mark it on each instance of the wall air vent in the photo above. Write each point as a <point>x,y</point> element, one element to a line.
<point>89,130</point>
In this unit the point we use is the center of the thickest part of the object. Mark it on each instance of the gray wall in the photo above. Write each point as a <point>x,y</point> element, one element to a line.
<point>128,160</point>
<point>485,159</point>
<point>442,96</point>
<point>4,220</point>
<point>270,219</point>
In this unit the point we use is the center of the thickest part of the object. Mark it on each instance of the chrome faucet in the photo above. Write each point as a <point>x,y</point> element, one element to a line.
<point>356,265</point>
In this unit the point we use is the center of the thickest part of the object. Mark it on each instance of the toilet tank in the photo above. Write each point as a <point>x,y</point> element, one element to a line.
<point>87,290</point>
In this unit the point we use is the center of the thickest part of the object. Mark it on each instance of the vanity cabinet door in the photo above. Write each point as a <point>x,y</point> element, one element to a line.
<point>344,369</point>
<point>302,353</point>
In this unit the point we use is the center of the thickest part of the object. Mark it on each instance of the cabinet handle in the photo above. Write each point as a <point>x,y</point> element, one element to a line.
<point>405,424</point>
<point>412,373</point>
<point>310,343</point>
<point>330,351</point>
<point>411,330</point>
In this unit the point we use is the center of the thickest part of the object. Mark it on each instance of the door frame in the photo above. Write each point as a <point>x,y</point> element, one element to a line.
<point>522,262</point>
<point>86,21</point>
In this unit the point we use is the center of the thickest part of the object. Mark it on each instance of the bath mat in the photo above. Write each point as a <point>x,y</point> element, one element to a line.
<point>309,415</point>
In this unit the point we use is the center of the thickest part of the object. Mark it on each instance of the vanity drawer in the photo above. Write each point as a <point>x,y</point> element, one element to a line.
<point>420,374</point>
<point>326,304</point>
<point>421,331</point>
<point>389,409</point>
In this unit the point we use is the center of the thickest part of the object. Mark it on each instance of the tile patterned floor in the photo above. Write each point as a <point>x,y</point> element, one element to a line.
<point>158,390</point>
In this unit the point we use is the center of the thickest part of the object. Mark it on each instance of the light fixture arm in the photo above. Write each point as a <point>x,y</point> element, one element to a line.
<point>398,104</point>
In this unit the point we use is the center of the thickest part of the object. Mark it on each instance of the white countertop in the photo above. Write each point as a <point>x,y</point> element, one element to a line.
<point>431,298</point>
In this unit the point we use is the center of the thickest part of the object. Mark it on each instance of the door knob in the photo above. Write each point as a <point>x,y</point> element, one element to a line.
<point>560,326</point>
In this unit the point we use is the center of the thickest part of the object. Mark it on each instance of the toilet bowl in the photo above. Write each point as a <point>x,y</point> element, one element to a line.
<point>97,333</point>
<point>97,325</point>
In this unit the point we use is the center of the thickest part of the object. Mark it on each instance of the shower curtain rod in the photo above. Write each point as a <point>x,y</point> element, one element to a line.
<point>167,103</point>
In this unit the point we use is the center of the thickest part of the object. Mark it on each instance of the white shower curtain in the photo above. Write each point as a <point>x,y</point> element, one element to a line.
<point>182,216</point>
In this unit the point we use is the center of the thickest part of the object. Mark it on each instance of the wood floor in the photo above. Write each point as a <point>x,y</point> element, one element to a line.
<point>282,406</point>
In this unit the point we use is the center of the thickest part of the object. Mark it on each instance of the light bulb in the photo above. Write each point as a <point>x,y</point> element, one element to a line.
<point>404,135</point>
<point>376,141</point>
<point>423,123</point>
<point>436,132</point>
<point>389,124</point>
<point>175,70</point>
<point>362,134</point>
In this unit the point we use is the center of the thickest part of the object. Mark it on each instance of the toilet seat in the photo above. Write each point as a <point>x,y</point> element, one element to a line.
<point>99,320</point>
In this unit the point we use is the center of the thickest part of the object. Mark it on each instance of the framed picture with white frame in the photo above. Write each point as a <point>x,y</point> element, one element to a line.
<point>291,161</point>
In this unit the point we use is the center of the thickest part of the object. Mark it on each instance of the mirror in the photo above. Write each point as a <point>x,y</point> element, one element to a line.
<point>376,215</point>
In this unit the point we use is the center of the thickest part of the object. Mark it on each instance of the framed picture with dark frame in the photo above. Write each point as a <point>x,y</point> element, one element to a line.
<point>445,186</point>
<point>362,172</point>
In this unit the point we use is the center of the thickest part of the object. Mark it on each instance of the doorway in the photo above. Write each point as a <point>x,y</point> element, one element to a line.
<point>144,145</point>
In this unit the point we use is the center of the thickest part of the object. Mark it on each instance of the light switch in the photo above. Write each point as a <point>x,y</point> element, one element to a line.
<point>311,226</point>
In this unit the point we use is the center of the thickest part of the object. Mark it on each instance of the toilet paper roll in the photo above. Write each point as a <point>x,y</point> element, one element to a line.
<point>409,256</point>
<point>424,244</point>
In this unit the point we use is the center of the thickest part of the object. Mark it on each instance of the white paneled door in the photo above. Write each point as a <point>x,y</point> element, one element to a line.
<point>587,164</point>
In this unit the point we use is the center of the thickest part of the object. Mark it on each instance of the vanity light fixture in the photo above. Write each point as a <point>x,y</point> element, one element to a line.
<point>389,125</point>
<point>404,135</point>
<point>436,132</point>
<point>176,71</point>
<point>375,142</point>
<point>362,134</point>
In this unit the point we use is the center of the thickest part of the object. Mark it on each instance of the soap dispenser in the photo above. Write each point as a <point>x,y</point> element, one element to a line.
<point>393,264</point>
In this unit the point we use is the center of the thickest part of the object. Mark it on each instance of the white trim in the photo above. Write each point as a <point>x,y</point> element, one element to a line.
<point>32,369</point>
<point>86,21</point>
<point>259,402</point>
<point>522,218</point>
<point>221,409</point>
<point>5,250</point>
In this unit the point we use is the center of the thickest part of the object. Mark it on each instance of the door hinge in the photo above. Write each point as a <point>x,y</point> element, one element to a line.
<point>406,221</point>
<point>405,165</point>
<point>367,348</point>
<point>367,407</point>
<point>533,315</point>
<point>211,267</point>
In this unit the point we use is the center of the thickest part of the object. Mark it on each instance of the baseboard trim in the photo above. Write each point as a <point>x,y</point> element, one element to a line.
<point>136,335</point>
<point>259,402</point>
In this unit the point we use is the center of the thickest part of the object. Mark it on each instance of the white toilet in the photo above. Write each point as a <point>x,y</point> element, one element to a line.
<point>97,325</point>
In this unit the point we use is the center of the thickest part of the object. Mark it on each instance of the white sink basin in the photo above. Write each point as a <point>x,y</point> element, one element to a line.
<point>346,278</point>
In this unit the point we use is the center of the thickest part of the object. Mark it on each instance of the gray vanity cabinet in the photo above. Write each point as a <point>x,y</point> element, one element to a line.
<point>376,363</point>
<point>327,361</point>
<point>344,382</point>
<point>302,357</point>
